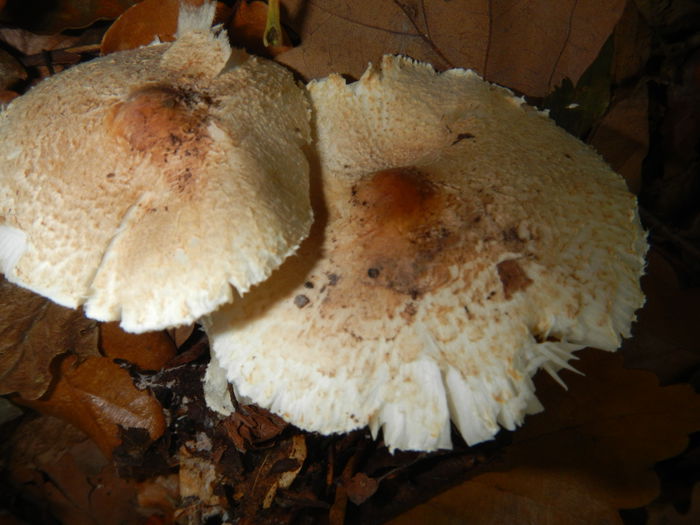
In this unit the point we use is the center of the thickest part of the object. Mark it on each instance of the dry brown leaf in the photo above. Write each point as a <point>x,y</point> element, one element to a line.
<point>668,515</point>
<point>251,425</point>
<point>285,470</point>
<point>141,24</point>
<point>8,411</point>
<point>7,96</point>
<point>663,341</point>
<point>360,488</point>
<point>180,334</point>
<point>589,454</point>
<point>199,479</point>
<point>59,15</point>
<point>149,351</point>
<point>62,471</point>
<point>98,397</point>
<point>11,71</point>
<point>34,330</point>
<point>279,466</point>
<point>529,46</point>
<point>632,40</point>
<point>147,21</point>
<point>623,137</point>
<point>160,495</point>
<point>29,43</point>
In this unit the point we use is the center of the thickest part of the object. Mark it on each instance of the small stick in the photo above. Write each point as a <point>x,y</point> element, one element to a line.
<point>273,29</point>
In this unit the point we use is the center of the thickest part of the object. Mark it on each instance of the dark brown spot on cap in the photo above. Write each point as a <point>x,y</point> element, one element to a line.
<point>511,235</point>
<point>308,284</point>
<point>466,311</point>
<point>373,273</point>
<point>461,137</point>
<point>513,277</point>
<point>409,312</point>
<point>301,301</point>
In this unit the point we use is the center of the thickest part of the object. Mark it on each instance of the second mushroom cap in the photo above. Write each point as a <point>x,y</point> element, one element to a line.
<point>463,241</point>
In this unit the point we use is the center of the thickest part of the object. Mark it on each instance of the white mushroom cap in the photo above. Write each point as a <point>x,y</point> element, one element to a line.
<point>145,183</point>
<point>463,242</point>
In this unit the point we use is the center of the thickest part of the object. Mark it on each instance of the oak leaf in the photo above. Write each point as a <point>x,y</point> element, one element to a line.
<point>149,350</point>
<point>33,331</point>
<point>147,21</point>
<point>99,397</point>
<point>665,341</point>
<point>55,465</point>
<point>529,46</point>
<point>590,453</point>
<point>622,137</point>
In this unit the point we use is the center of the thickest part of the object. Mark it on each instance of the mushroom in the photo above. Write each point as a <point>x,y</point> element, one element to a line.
<point>463,241</point>
<point>145,183</point>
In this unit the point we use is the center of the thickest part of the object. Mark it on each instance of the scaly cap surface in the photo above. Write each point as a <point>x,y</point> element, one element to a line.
<point>463,241</point>
<point>145,183</point>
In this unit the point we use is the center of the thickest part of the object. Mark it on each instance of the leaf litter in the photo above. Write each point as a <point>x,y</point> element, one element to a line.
<point>173,460</point>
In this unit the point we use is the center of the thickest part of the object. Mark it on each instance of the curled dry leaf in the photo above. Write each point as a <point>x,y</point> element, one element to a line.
<point>361,487</point>
<point>149,350</point>
<point>148,21</point>
<point>57,468</point>
<point>34,330</point>
<point>29,43</point>
<point>251,425</point>
<point>286,469</point>
<point>98,397</point>
<point>143,23</point>
<point>529,46</point>
<point>11,71</point>
<point>278,468</point>
<point>590,453</point>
